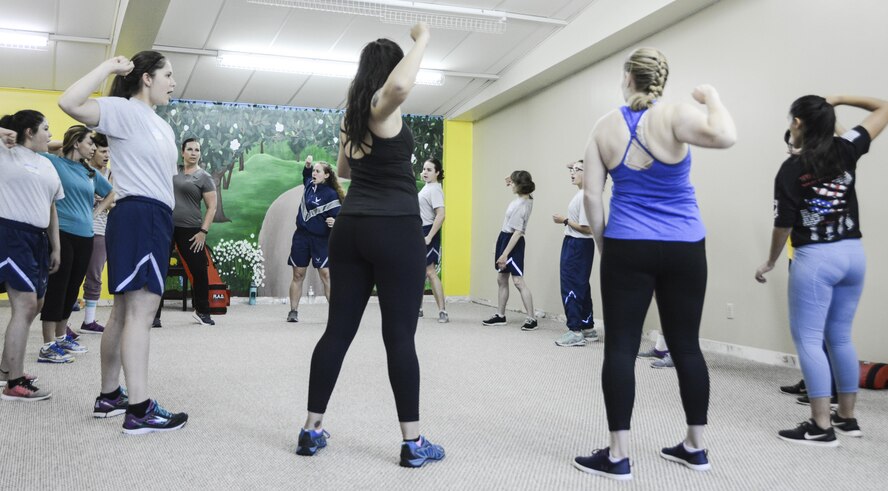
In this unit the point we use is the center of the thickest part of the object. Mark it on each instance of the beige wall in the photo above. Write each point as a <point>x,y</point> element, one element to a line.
<point>760,55</point>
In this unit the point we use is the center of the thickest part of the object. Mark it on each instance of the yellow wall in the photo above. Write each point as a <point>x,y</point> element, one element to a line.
<point>46,102</point>
<point>457,236</point>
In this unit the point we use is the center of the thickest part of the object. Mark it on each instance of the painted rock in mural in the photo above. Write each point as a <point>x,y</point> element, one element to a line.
<point>275,238</point>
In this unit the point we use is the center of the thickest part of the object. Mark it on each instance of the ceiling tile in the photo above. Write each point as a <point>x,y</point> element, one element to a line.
<point>88,18</point>
<point>212,83</point>
<point>32,15</point>
<point>33,69</point>
<point>272,88</point>
<point>74,60</point>
<point>187,23</point>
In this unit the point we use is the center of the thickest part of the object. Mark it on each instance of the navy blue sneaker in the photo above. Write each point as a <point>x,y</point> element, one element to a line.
<point>311,441</point>
<point>156,419</point>
<point>599,464</point>
<point>415,454</point>
<point>698,460</point>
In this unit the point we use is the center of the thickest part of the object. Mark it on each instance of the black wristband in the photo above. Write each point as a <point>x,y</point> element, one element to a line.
<point>565,221</point>
<point>205,231</point>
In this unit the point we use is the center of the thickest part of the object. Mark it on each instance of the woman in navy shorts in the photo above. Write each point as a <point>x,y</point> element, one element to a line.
<point>29,239</point>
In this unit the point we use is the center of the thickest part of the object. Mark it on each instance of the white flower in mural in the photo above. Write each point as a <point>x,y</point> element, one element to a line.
<point>235,125</point>
<point>320,121</point>
<point>240,262</point>
<point>206,126</point>
<point>185,128</point>
<point>278,127</point>
<point>413,159</point>
<point>234,145</point>
<point>173,112</point>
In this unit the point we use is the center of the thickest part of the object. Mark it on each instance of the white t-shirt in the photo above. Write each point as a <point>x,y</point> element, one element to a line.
<point>577,214</point>
<point>144,149</point>
<point>431,197</point>
<point>28,185</point>
<point>517,215</point>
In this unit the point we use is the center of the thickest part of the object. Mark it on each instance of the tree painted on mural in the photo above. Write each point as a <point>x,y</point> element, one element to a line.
<point>227,131</point>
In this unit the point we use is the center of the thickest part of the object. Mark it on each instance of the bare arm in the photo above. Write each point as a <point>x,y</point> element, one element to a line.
<point>778,240</point>
<point>199,239</point>
<point>105,204</point>
<point>55,255</point>
<point>75,101</point>
<point>715,129</point>
<point>400,82</point>
<point>559,219</point>
<point>7,137</point>
<point>594,178</point>
<point>342,167</point>
<point>55,148</point>
<point>878,118</point>
<point>436,225</point>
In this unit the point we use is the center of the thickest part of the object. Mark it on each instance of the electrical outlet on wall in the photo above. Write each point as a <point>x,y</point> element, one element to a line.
<point>729,310</point>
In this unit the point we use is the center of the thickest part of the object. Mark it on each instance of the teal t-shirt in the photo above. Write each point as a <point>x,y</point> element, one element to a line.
<point>75,210</point>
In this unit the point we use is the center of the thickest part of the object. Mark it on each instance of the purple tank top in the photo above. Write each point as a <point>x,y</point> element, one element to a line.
<point>657,203</point>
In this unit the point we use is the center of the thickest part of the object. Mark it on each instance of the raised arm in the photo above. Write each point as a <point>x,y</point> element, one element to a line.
<point>7,137</point>
<point>878,118</point>
<point>714,129</point>
<point>594,177</point>
<point>399,83</point>
<point>75,101</point>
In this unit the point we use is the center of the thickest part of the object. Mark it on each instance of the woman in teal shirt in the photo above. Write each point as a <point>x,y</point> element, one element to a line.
<point>81,184</point>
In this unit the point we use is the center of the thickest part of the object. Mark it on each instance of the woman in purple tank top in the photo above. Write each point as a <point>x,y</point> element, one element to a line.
<point>653,243</point>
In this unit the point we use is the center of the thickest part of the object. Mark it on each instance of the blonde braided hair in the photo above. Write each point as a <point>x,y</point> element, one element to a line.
<point>649,70</point>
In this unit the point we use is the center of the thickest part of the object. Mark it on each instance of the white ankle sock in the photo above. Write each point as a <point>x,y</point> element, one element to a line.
<point>90,312</point>
<point>661,343</point>
<point>690,448</point>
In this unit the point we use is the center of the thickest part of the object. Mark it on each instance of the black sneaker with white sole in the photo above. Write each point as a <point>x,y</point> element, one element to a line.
<point>203,319</point>
<point>808,433</point>
<point>845,426</point>
<point>529,325</point>
<point>798,389</point>
<point>496,320</point>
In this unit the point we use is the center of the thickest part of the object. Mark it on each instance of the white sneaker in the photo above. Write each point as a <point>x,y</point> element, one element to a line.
<point>571,338</point>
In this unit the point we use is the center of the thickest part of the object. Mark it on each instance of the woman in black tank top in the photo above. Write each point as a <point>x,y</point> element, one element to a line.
<point>377,241</point>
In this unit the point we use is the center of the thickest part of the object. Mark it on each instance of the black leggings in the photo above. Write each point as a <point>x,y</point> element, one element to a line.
<point>64,284</point>
<point>197,265</point>
<point>388,252</point>
<point>631,271</point>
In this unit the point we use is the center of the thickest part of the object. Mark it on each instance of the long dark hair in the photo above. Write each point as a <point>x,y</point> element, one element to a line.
<point>523,182</point>
<point>144,62</point>
<point>818,153</point>
<point>378,59</point>
<point>26,119</point>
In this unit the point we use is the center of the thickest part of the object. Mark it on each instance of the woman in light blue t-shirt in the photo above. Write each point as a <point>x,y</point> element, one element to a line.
<point>82,183</point>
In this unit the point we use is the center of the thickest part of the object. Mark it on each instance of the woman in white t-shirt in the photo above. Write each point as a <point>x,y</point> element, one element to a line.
<point>29,240</point>
<point>509,255</point>
<point>139,228</point>
<point>431,211</point>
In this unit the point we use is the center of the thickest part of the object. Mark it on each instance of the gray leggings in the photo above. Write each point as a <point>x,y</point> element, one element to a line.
<point>92,284</point>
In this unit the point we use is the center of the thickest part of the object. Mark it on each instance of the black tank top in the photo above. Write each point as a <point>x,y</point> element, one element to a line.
<point>382,182</point>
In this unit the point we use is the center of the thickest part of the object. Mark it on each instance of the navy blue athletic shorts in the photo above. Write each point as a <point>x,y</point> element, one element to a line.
<point>24,257</point>
<point>137,240</point>
<point>433,250</point>
<point>515,262</point>
<point>307,247</point>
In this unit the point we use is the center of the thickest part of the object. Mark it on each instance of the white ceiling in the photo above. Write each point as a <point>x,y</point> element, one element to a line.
<point>235,25</point>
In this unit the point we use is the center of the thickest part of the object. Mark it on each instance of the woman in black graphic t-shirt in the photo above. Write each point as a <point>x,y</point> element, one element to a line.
<point>815,204</point>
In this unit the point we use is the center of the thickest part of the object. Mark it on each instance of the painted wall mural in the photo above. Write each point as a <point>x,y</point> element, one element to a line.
<point>255,154</point>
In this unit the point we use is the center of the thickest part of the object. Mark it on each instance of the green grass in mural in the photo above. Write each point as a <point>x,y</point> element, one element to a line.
<point>251,193</point>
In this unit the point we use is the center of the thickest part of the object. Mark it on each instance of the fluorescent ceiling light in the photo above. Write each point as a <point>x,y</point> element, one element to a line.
<point>23,39</point>
<point>406,13</point>
<point>307,66</point>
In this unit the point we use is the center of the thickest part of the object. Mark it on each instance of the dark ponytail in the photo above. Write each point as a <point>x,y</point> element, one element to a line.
<point>818,154</point>
<point>377,61</point>
<point>26,119</point>
<point>523,182</point>
<point>129,85</point>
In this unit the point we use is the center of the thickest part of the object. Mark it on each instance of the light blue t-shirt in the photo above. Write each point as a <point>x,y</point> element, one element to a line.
<point>75,210</point>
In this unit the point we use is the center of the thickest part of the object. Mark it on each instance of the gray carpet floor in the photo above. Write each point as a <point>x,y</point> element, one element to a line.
<point>510,408</point>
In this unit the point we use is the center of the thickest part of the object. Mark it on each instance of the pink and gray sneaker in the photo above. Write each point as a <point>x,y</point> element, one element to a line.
<point>92,328</point>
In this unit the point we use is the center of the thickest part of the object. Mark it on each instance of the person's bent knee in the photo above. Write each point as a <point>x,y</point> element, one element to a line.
<point>298,273</point>
<point>518,281</point>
